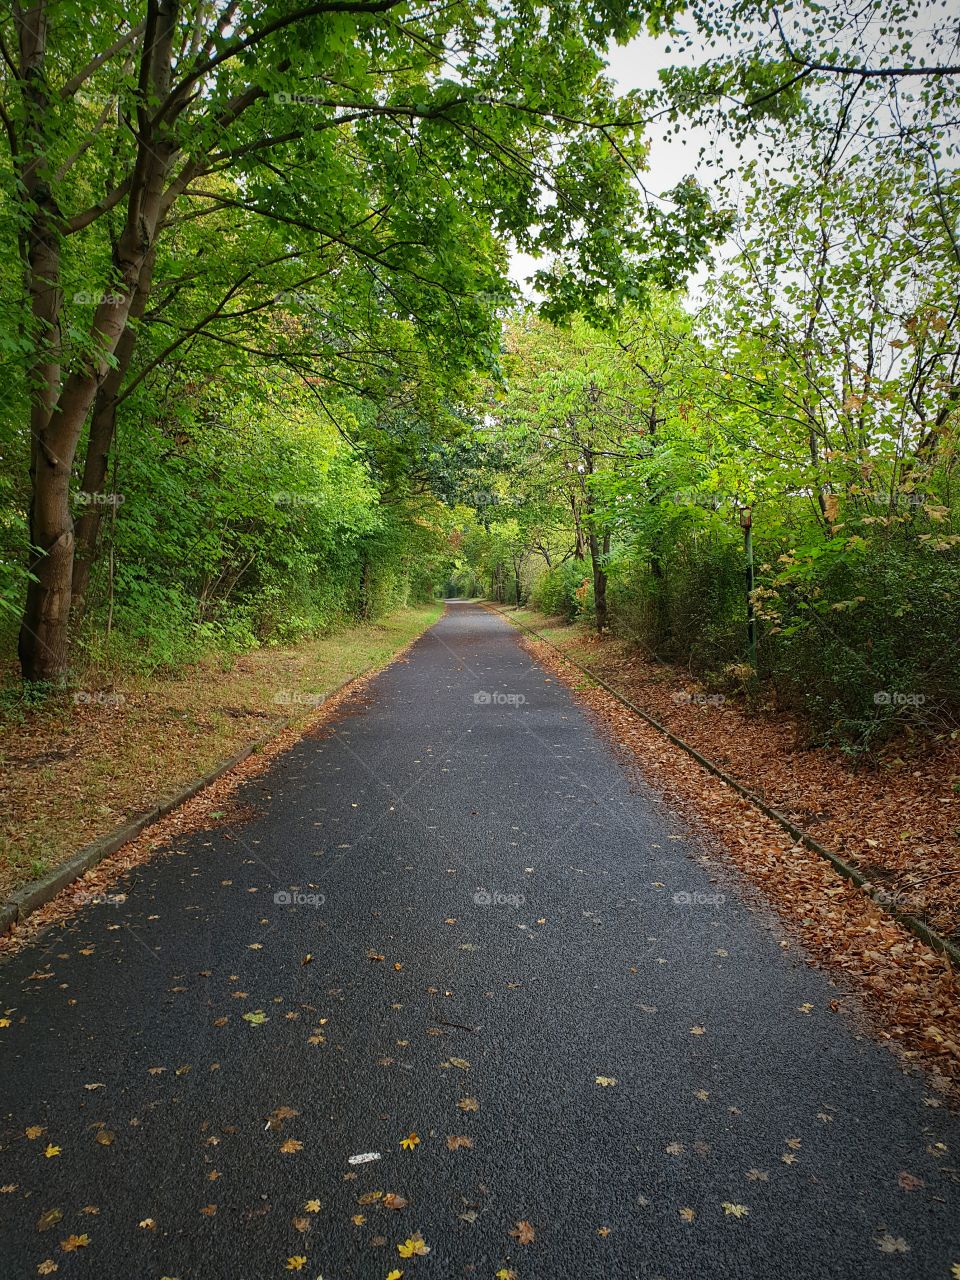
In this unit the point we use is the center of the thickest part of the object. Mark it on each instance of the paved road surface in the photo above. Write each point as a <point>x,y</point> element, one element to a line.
<point>520,889</point>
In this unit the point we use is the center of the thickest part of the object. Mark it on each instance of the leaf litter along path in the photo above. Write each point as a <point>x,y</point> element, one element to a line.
<point>482,1038</point>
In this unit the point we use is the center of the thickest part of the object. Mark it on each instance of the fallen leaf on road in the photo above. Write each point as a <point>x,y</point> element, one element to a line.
<point>73,1243</point>
<point>410,1142</point>
<point>413,1247</point>
<point>606,1081</point>
<point>296,1263</point>
<point>370,1197</point>
<point>49,1219</point>
<point>687,1215</point>
<point>290,1146</point>
<point>256,1019</point>
<point>698,1031</point>
<point>456,1141</point>
<point>909,1181</point>
<point>312,1206</point>
<point>51,1151</point>
<point>392,1201</point>
<point>468,1104</point>
<point>735,1210</point>
<point>523,1232</point>
<point>47,1267</point>
<point>33,1131</point>
<point>887,1243</point>
<point>104,1137</point>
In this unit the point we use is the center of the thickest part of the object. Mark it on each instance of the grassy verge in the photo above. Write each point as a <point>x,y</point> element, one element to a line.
<point>72,769</point>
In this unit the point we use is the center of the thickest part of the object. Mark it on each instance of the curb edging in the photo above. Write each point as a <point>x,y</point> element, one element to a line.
<point>849,872</point>
<point>37,893</point>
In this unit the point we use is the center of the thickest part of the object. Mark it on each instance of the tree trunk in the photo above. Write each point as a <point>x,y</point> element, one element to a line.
<point>44,632</point>
<point>102,429</point>
<point>598,559</point>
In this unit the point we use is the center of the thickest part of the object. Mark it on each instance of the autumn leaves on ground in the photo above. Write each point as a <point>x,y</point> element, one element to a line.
<point>396,997</point>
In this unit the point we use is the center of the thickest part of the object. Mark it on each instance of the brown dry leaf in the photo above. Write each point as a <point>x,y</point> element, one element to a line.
<point>33,1131</point>
<point>909,1181</point>
<point>209,1210</point>
<point>105,1137</point>
<point>49,1219</point>
<point>302,1224</point>
<point>358,1219</point>
<point>393,1201</point>
<point>698,1031</point>
<point>468,1104</point>
<point>687,1215</point>
<point>290,1146</point>
<point>457,1141</point>
<point>523,1232</point>
<point>47,1267</point>
<point>370,1197</point>
<point>147,1224</point>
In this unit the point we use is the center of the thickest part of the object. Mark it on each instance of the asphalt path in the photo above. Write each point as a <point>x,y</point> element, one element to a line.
<point>452,915</point>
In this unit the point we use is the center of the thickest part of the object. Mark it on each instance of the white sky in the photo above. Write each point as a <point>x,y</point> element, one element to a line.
<point>635,66</point>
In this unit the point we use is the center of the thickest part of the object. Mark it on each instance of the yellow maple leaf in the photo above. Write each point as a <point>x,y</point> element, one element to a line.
<point>5,1022</point>
<point>47,1267</point>
<point>506,1273</point>
<point>33,1131</point>
<point>296,1263</point>
<point>358,1219</point>
<point>698,1031</point>
<point>410,1142</point>
<point>312,1206</point>
<point>395,1274</point>
<point>606,1081</point>
<point>51,1151</point>
<point>413,1247</point>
